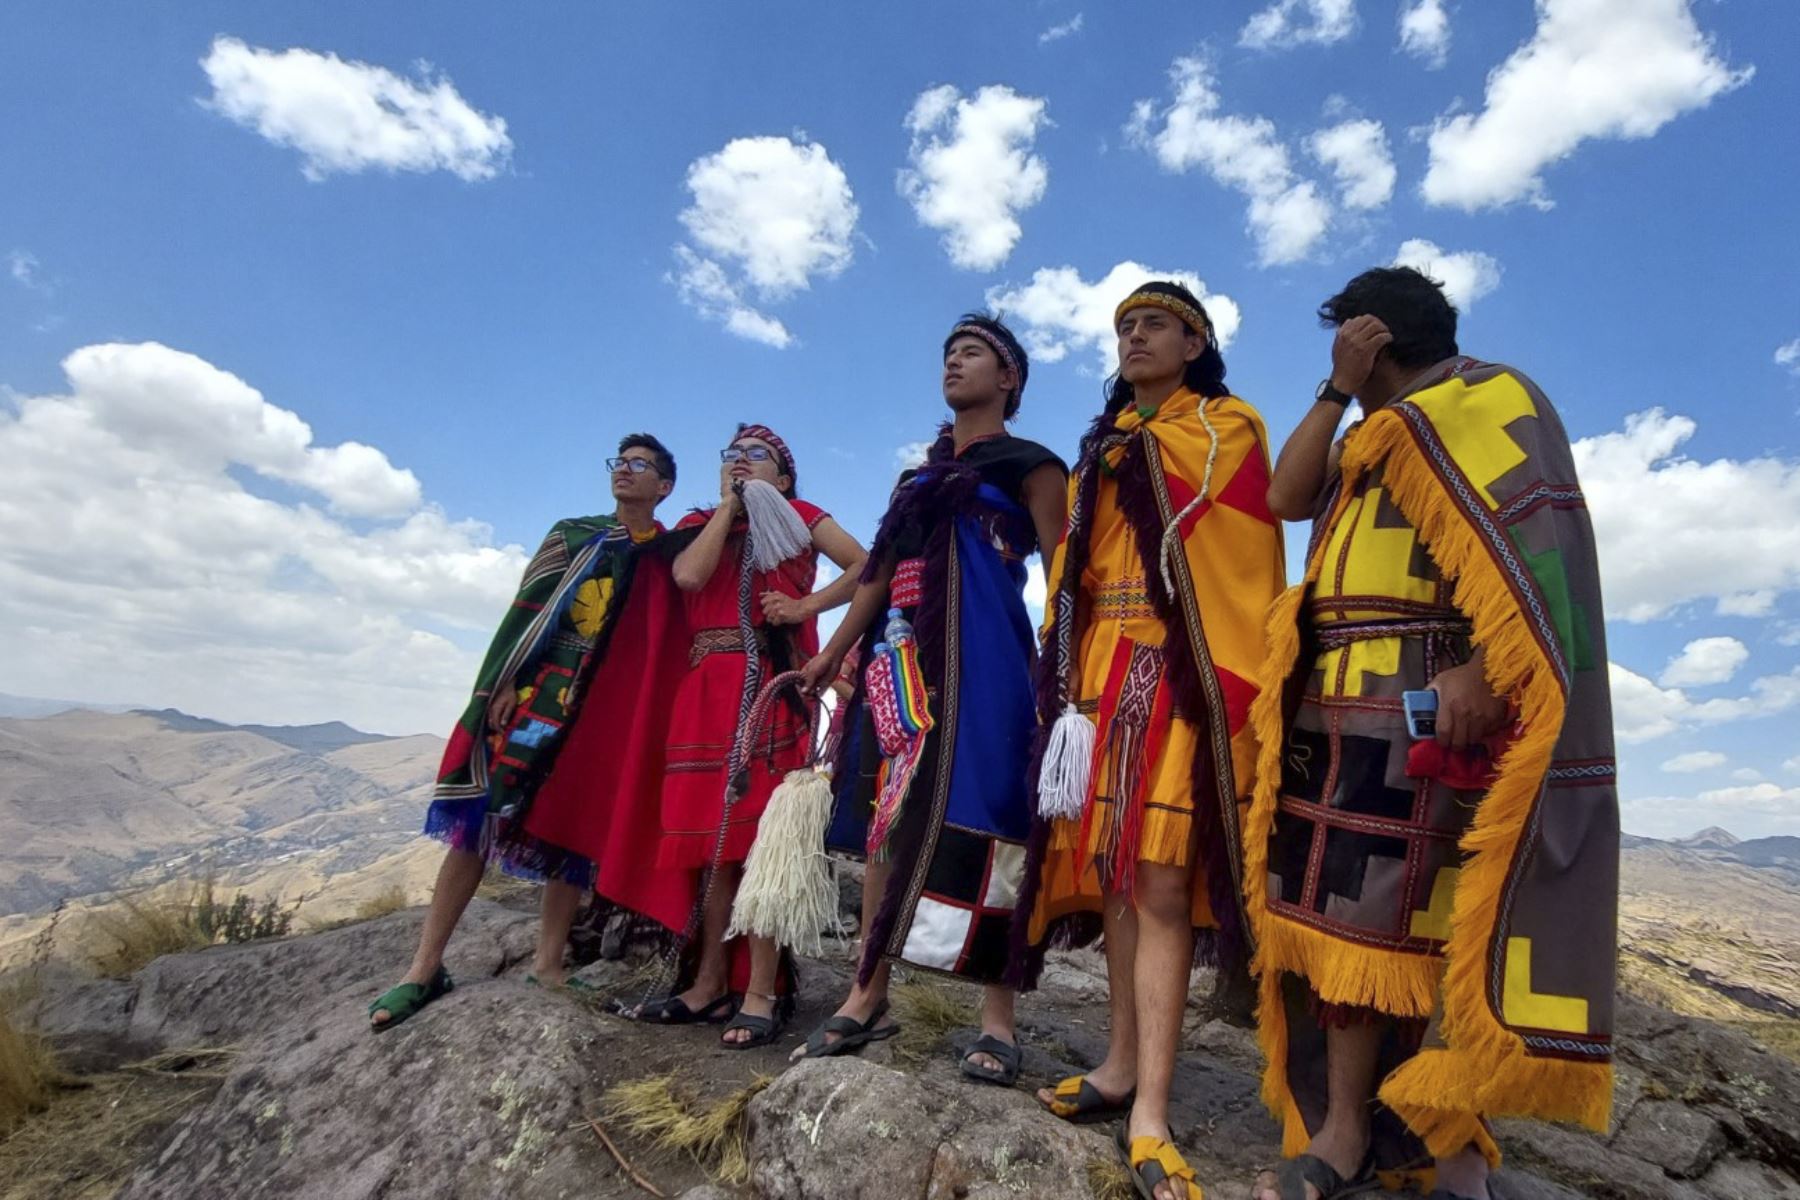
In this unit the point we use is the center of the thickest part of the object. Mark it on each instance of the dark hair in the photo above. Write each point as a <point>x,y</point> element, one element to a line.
<point>1205,375</point>
<point>1411,304</point>
<point>660,458</point>
<point>1006,338</point>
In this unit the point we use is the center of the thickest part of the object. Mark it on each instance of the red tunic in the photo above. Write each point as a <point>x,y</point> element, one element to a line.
<point>706,705</point>
<point>603,799</point>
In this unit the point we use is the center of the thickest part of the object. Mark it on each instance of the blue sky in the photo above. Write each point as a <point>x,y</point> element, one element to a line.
<point>212,233</point>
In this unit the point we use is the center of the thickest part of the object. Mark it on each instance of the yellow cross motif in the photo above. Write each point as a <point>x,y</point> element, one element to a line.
<point>1472,423</point>
<point>1537,1010</point>
<point>1434,922</point>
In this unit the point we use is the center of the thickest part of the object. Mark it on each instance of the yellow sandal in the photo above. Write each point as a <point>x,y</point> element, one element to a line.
<point>1151,1161</point>
<point>1081,1103</point>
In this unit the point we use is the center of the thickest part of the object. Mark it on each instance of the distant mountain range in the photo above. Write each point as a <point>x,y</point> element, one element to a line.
<point>1779,854</point>
<point>95,802</point>
<point>38,706</point>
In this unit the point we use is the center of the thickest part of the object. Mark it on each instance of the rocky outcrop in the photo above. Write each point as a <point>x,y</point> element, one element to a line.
<point>489,1092</point>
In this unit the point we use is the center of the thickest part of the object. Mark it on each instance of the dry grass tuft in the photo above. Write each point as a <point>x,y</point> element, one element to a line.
<point>94,1131</point>
<point>673,1120</point>
<point>1107,1179</point>
<point>28,1074</point>
<point>500,887</point>
<point>177,918</point>
<point>929,1010</point>
<point>390,899</point>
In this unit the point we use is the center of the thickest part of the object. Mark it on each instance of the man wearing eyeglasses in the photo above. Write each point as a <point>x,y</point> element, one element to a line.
<point>580,677</point>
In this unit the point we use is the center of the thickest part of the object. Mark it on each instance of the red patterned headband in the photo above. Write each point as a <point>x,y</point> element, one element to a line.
<point>763,433</point>
<point>999,347</point>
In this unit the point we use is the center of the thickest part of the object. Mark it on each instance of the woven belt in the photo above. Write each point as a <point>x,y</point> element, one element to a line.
<point>723,641</point>
<point>1338,634</point>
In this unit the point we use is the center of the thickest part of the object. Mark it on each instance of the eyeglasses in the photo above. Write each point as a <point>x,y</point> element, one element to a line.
<point>733,454</point>
<point>637,466</point>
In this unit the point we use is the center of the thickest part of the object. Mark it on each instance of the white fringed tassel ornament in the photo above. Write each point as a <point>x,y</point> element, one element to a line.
<point>787,894</point>
<point>776,531</point>
<point>1068,766</point>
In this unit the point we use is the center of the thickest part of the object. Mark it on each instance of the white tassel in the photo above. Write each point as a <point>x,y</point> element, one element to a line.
<point>1068,766</point>
<point>776,531</point>
<point>786,893</point>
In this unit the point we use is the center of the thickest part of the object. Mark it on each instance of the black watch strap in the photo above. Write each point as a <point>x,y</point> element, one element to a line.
<point>1328,393</point>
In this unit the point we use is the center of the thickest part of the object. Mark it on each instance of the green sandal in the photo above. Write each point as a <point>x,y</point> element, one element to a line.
<point>404,1000</point>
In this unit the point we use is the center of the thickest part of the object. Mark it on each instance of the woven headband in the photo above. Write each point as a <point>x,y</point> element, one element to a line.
<point>999,347</point>
<point>1192,317</point>
<point>763,433</point>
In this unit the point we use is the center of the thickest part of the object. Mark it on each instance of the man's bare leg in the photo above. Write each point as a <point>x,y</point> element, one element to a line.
<point>1117,1074</point>
<point>999,1018</point>
<point>561,900</point>
<point>1343,1137</point>
<point>458,877</point>
<point>860,1004</point>
<point>1165,960</point>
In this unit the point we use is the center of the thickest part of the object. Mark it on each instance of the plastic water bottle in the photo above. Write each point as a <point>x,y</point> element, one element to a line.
<point>899,630</point>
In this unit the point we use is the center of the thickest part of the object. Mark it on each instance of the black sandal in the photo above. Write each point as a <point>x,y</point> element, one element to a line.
<point>763,1030</point>
<point>1008,1053</point>
<point>1294,1174</point>
<point>851,1034</point>
<point>673,1010</point>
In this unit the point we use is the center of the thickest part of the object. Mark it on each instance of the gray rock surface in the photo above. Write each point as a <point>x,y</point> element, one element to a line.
<point>487,1092</point>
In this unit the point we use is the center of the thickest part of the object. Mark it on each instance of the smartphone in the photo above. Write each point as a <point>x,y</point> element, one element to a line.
<point>1421,713</point>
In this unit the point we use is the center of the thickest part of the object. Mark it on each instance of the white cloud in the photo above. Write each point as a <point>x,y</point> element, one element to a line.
<point>1642,711</point>
<point>1705,661</point>
<point>1287,215</point>
<point>1746,604</point>
<point>1357,154</point>
<point>1766,798</point>
<point>779,210</point>
<point>1057,33</point>
<point>1696,760</point>
<point>1673,530</point>
<point>1425,31</point>
<point>972,171</point>
<point>153,575</point>
<point>1786,355</point>
<point>1747,775</point>
<point>1792,764</point>
<point>703,286</point>
<point>1751,810</point>
<point>1058,311</point>
<point>1593,69</point>
<point>346,117</point>
<point>910,455</point>
<point>1467,275</point>
<point>1295,22</point>
<point>769,215</point>
<point>23,265</point>
<point>1037,591</point>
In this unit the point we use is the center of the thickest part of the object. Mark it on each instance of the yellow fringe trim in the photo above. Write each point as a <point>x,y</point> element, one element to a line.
<point>1341,972</point>
<point>1485,1069</point>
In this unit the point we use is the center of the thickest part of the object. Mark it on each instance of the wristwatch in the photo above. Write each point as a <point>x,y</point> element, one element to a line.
<point>1327,392</point>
